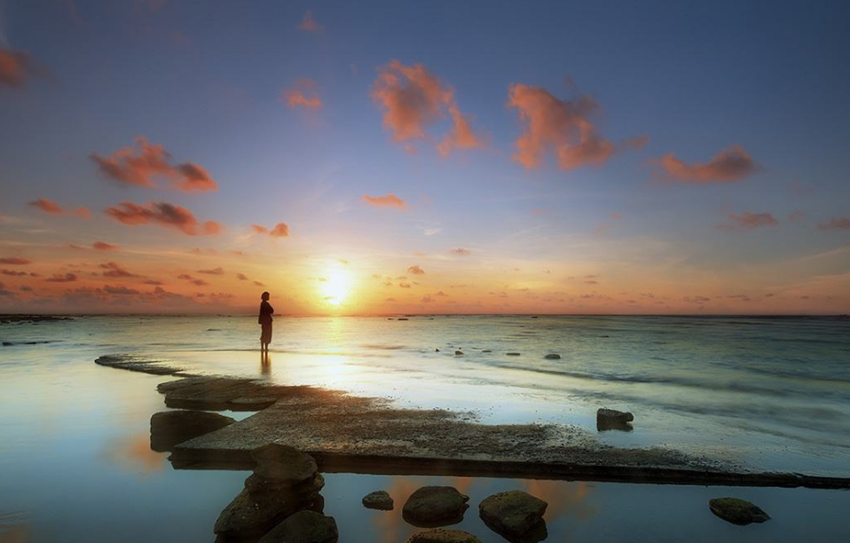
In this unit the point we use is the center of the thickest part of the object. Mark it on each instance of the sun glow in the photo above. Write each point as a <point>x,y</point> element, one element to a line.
<point>337,287</point>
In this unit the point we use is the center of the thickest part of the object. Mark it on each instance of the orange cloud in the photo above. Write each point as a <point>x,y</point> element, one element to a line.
<point>280,230</point>
<point>563,126</point>
<point>835,223</point>
<point>259,229</point>
<point>62,278</point>
<point>732,164</point>
<point>137,166</point>
<point>113,269</point>
<point>308,24</point>
<point>214,271</point>
<point>416,270</point>
<point>16,68</point>
<point>390,200</point>
<point>164,214</point>
<point>14,261</point>
<point>49,206</point>
<point>303,94</point>
<point>103,246</point>
<point>194,281</point>
<point>415,98</point>
<point>747,220</point>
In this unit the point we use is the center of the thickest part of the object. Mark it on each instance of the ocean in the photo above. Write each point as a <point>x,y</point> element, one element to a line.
<point>768,393</point>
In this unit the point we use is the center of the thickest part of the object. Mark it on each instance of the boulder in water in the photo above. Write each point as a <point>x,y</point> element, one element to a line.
<point>737,511</point>
<point>552,356</point>
<point>458,353</point>
<point>513,354</point>
<point>283,464</point>
<point>304,527</point>
<point>432,506</point>
<point>611,419</point>
<point>513,513</point>
<point>169,428</point>
<point>379,499</point>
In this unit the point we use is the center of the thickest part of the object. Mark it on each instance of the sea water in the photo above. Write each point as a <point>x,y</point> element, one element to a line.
<point>768,393</point>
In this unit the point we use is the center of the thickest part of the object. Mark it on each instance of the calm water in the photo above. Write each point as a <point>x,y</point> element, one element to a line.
<point>75,462</point>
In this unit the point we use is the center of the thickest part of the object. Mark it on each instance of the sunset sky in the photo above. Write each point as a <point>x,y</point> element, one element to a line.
<point>424,157</point>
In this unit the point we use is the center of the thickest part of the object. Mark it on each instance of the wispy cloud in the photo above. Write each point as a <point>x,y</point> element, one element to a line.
<point>729,165</point>
<point>163,214</point>
<point>390,200</point>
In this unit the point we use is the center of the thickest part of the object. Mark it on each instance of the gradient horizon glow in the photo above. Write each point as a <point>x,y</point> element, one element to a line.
<point>424,157</point>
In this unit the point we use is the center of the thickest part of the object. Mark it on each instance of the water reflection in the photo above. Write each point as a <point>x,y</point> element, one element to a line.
<point>133,453</point>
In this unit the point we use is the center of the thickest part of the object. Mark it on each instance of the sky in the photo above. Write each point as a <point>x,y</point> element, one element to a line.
<point>182,156</point>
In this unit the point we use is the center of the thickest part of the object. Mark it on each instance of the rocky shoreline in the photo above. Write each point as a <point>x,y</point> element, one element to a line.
<point>351,434</point>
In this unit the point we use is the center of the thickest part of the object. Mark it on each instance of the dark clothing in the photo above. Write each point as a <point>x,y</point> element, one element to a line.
<point>265,320</point>
<point>266,312</point>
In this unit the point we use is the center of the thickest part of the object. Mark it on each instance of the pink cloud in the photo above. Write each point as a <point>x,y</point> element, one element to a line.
<point>280,230</point>
<point>835,223</point>
<point>729,165</point>
<point>414,98</point>
<point>113,269</point>
<point>303,94</point>
<point>308,24</point>
<point>14,261</point>
<point>140,164</point>
<point>748,221</point>
<point>460,251</point>
<point>16,68</point>
<point>62,278</point>
<point>103,246</point>
<point>416,270</point>
<point>163,214</point>
<point>562,126</point>
<point>53,208</point>
<point>390,200</point>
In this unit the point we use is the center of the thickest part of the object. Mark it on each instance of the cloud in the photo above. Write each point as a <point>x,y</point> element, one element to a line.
<point>14,261</point>
<point>60,278</point>
<point>303,94</point>
<point>13,273</point>
<point>163,214</point>
<point>119,290</point>
<point>280,230</point>
<point>16,68</point>
<point>53,208</point>
<point>729,165</point>
<point>390,200</point>
<point>259,229</point>
<point>562,126</point>
<point>113,269</point>
<point>426,299</point>
<point>138,166</point>
<point>308,24</point>
<point>835,223</point>
<point>416,270</point>
<point>414,98</point>
<point>194,281</point>
<point>4,291</point>
<point>214,271</point>
<point>103,246</point>
<point>241,276</point>
<point>748,221</point>
<point>460,251</point>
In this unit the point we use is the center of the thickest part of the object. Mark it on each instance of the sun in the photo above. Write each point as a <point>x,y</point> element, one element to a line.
<point>337,287</point>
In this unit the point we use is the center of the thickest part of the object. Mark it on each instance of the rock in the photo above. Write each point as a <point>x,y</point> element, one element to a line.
<point>436,350</point>
<point>169,428</point>
<point>283,464</point>
<point>439,535</point>
<point>611,419</point>
<point>432,506</point>
<point>513,354</point>
<point>258,485</point>
<point>737,511</point>
<point>304,527</point>
<point>512,513</point>
<point>552,356</point>
<point>403,319</point>
<point>458,353</point>
<point>378,500</point>
<point>254,514</point>
<point>486,351</point>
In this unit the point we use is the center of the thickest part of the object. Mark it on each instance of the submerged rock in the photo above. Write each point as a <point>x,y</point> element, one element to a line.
<point>486,351</point>
<point>552,356</point>
<point>435,506</point>
<point>379,499</point>
<point>737,511</point>
<point>458,353</point>
<point>513,513</point>
<point>284,464</point>
<point>439,535</point>
<point>304,527</point>
<point>169,428</point>
<point>611,419</point>
<point>513,354</point>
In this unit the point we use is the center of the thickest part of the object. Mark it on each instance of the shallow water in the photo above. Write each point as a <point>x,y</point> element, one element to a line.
<point>775,393</point>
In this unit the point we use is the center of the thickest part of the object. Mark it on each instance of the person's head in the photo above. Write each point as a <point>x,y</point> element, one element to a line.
<point>265,296</point>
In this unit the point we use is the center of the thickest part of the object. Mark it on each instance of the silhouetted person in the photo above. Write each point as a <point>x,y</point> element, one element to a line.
<point>265,320</point>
